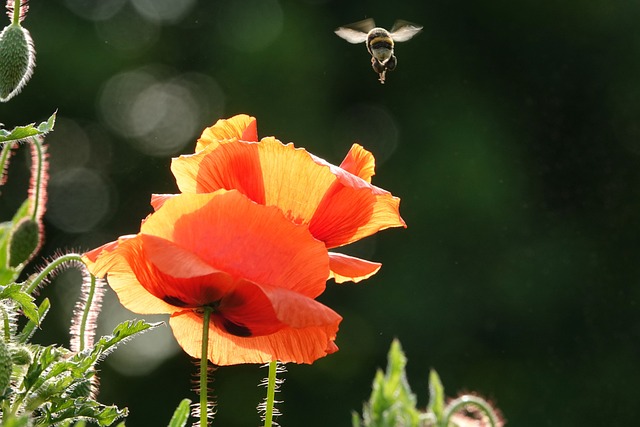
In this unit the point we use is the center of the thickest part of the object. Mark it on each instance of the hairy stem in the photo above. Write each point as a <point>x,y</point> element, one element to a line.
<point>16,12</point>
<point>204,359</point>
<point>85,313</point>
<point>271,393</point>
<point>39,172</point>
<point>50,268</point>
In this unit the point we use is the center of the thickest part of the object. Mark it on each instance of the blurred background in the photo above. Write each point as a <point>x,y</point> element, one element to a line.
<point>510,130</point>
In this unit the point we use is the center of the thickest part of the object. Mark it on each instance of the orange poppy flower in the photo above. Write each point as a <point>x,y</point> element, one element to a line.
<point>258,271</point>
<point>339,204</point>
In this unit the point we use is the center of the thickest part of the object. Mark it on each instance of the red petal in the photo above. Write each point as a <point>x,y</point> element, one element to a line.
<point>345,268</point>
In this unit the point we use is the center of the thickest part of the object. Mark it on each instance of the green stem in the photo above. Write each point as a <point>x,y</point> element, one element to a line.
<point>469,400</point>
<point>4,158</point>
<point>50,268</point>
<point>37,183</point>
<point>16,12</point>
<point>271,393</point>
<point>204,359</point>
<point>86,312</point>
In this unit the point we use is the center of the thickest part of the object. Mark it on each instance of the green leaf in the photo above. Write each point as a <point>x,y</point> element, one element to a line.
<point>22,132</point>
<point>80,409</point>
<point>31,325</point>
<point>391,403</point>
<point>24,300</point>
<point>436,395</point>
<point>181,414</point>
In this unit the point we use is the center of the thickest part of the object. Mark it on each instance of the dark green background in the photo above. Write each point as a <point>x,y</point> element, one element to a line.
<point>511,132</point>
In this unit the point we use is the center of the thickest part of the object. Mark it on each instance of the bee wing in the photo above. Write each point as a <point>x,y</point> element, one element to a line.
<point>356,32</point>
<point>404,30</point>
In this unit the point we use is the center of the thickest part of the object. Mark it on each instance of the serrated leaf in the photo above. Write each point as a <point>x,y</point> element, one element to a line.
<point>81,409</point>
<point>23,299</point>
<point>436,395</point>
<point>181,414</point>
<point>21,132</point>
<point>30,327</point>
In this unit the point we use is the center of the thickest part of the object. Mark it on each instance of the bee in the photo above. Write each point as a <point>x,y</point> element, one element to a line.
<point>379,41</point>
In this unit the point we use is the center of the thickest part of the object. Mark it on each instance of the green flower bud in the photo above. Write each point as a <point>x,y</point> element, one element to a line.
<point>17,60</point>
<point>6,365</point>
<point>25,240</point>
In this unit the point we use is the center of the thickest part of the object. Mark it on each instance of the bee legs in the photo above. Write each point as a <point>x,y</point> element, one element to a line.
<point>382,68</point>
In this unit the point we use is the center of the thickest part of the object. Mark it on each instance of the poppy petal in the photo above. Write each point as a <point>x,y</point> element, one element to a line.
<point>118,258</point>
<point>312,338</point>
<point>345,268</point>
<point>233,234</point>
<point>241,127</point>
<point>339,207</point>
<point>349,213</point>
<point>359,162</point>
<point>231,166</point>
<point>157,200</point>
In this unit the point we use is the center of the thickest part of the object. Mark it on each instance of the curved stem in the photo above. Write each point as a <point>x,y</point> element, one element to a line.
<point>50,268</point>
<point>469,400</point>
<point>271,393</point>
<point>204,359</point>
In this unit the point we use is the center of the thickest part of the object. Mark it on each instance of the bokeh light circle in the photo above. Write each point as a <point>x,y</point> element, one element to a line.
<point>163,10</point>
<point>78,200</point>
<point>157,111</point>
<point>371,126</point>
<point>250,25</point>
<point>95,10</point>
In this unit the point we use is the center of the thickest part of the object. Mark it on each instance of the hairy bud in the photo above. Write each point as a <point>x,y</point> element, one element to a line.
<point>17,60</point>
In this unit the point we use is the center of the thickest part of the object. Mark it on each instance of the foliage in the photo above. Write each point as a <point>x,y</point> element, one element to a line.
<point>392,404</point>
<point>47,385</point>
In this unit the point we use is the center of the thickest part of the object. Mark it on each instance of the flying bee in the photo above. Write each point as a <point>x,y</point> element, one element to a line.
<point>379,41</point>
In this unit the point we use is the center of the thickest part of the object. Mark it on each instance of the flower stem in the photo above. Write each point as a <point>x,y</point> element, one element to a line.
<point>16,12</point>
<point>50,268</point>
<point>271,393</point>
<point>86,313</point>
<point>204,358</point>
<point>39,170</point>
<point>4,159</point>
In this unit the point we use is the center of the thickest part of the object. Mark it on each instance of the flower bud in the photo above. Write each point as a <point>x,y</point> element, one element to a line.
<point>17,60</point>
<point>25,241</point>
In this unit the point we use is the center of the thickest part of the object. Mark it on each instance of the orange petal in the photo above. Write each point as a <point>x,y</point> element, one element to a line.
<point>233,165</point>
<point>120,259</point>
<point>359,162</point>
<point>350,212</point>
<point>345,268</point>
<point>339,207</point>
<point>303,344</point>
<point>233,234</point>
<point>294,181</point>
<point>241,127</point>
